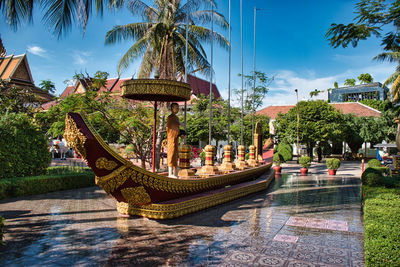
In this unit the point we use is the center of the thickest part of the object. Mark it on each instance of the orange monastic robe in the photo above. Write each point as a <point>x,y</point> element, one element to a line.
<point>172,140</point>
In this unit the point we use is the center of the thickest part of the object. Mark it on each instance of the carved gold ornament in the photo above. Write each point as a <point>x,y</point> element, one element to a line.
<point>74,137</point>
<point>103,163</point>
<point>136,195</point>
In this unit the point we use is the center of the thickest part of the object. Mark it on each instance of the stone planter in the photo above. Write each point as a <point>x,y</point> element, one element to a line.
<point>277,169</point>
<point>303,171</point>
<point>332,172</point>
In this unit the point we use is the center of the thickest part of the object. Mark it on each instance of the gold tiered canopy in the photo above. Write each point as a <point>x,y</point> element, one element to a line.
<point>155,90</point>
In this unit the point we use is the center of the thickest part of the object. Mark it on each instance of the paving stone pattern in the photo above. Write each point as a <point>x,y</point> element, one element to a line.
<point>82,227</point>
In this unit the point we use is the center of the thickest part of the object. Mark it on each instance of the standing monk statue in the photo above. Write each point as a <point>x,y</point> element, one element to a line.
<point>172,141</point>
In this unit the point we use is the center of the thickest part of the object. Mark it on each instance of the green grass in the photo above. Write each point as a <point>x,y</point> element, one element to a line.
<point>381,226</point>
<point>56,179</point>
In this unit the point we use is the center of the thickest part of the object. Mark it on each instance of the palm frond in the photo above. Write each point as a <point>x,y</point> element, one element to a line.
<point>388,56</point>
<point>16,10</point>
<point>391,78</point>
<point>131,31</point>
<point>395,90</point>
<point>138,7</point>
<point>204,34</point>
<point>133,52</point>
<point>204,16</point>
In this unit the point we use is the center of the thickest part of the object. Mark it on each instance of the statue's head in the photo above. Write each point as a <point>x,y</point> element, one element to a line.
<point>174,108</point>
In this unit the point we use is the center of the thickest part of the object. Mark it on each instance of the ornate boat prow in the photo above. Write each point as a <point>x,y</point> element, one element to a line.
<point>140,192</point>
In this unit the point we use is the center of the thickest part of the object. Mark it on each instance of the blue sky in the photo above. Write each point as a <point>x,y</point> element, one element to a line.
<point>290,46</point>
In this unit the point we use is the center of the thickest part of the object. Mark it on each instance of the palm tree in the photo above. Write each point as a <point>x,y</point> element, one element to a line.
<point>393,79</point>
<point>161,38</point>
<point>48,86</point>
<point>59,15</point>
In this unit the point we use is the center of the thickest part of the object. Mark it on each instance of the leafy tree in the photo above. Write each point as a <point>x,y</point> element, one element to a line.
<point>352,135</point>
<point>315,93</point>
<point>260,90</point>
<point>372,17</point>
<point>365,78</point>
<point>350,82</point>
<point>381,105</point>
<point>247,121</point>
<point>318,122</point>
<point>17,100</point>
<point>197,120</point>
<point>160,39</point>
<point>48,86</point>
<point>336,85</point>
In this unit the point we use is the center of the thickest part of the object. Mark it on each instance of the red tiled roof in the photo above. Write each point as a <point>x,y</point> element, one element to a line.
<point>273,111</point>
<point>68,91</point>
<point>200,86</point>
<point>355,108</point>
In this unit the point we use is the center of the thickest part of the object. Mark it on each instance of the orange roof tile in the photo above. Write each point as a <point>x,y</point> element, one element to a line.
<point>355,108</point>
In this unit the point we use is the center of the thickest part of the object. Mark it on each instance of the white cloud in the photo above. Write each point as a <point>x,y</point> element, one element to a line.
<point>37,50</point>
<point>81,57</point>
<point>286,81</point>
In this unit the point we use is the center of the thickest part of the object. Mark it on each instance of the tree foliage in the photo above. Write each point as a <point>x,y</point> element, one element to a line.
<point>318,122</point>
<point>253,99</point>
<point>350,82</point>
<point>161,37</point>
<point>48,86</point>
<point>365,78</point>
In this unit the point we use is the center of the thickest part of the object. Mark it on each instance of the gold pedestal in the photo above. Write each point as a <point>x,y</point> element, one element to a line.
<point>227,166</point>
<point>184,161</point>
<point>186,173</point>
<point>252,161</point>
<point>209,169</point>
<point>241,163</point>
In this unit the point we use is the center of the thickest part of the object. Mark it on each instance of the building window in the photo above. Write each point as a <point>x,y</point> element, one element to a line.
<point>360,96</point>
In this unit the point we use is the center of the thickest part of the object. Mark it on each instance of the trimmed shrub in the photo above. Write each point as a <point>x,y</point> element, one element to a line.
<point>1,230</point>
<point>278,159</point>
<point>305,161</point>
<point>24,186</point>
<point>381,224</point>
<point>333,163</point>
<point>285,150</point>
<point>23,147</point>
<point>375,176</point>
<point>374,163</point>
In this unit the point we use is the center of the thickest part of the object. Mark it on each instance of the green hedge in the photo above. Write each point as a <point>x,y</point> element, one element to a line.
<point>381,226</point>
<point>285,150</point>
<point>374,163</point>
<point>23,186</point>
<point>378,176</point>
<point>23,147</point>
<point>277,159</point>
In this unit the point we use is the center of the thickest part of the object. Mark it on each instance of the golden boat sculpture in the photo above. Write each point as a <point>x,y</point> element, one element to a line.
<point>144,193</point>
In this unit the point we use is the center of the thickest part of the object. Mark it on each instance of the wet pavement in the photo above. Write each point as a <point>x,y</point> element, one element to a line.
<point>312,220</point>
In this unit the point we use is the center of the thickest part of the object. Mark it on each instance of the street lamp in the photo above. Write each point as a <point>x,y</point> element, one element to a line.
<point>298,124</point>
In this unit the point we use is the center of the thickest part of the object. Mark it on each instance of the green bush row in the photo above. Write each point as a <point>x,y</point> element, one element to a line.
<point>23,186</point>
<point>374,163</point>
<point>378,176</point>
<point>381,226</point>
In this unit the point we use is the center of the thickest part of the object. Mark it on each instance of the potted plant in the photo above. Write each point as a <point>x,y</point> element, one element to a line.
<point>305,162</point>
<point>202,156</point>
<point>332,164</point>
<point>277,160</point>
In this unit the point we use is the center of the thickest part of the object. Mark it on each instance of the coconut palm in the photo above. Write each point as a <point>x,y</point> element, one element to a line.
<point>160,38</point>
<point>59,15</point>
<point>393,79</point>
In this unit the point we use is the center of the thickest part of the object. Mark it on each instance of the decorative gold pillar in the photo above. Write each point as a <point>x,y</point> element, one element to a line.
<point>252,161</point>
<point>241,163</point>
<point>258,136</point>
<point>227,166</point>
<point>208,169</point>
<point>184,161</point>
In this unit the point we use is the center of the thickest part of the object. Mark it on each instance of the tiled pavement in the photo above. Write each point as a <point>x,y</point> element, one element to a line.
<point>313,220</point>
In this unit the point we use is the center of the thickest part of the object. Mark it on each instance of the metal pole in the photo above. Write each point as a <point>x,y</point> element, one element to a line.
<point>254,79</point>
<point>298,124</point>
<point>154,137</point>
<point>211,75</point>
<point>186,70</point>
<point>241,58</point>
<point>229,79</point>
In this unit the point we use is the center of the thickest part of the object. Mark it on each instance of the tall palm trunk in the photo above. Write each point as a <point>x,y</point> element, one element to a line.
<point>396,89</point>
